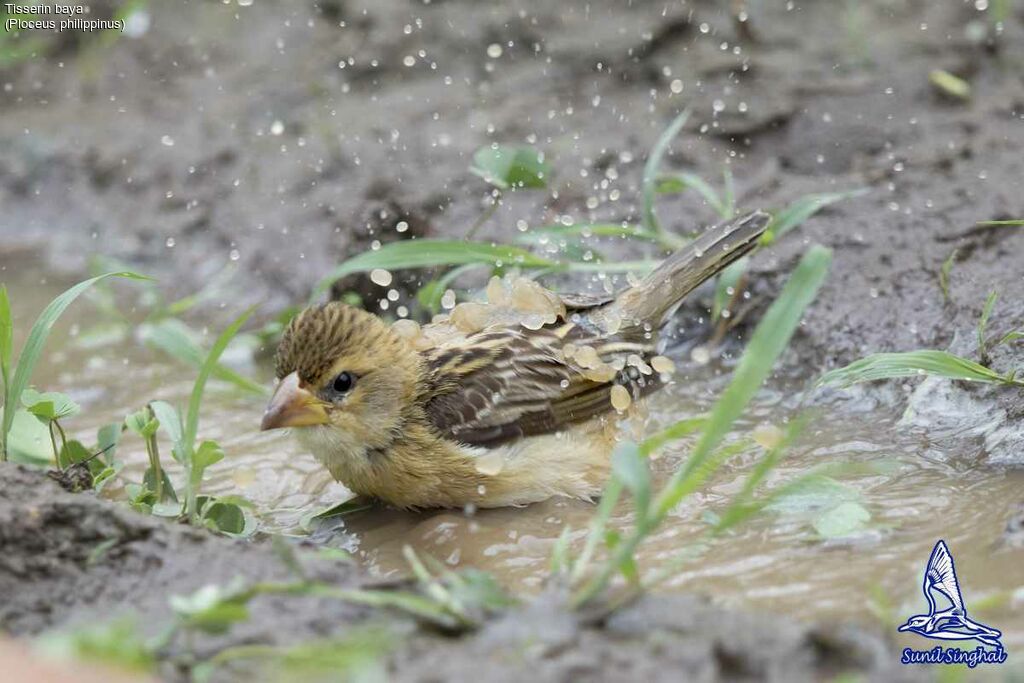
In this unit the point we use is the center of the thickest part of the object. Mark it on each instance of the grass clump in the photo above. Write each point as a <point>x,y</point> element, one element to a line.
<point>933,362</point>
<point>49,407</point>
<point>630,470</point>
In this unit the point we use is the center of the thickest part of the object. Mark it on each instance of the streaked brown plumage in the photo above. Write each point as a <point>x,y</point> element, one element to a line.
<point>501,416</point>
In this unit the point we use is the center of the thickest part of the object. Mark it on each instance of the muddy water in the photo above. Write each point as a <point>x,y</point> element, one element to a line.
<point>931,489</point>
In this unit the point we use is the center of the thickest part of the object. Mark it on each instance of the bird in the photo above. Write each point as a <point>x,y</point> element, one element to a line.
<point>495,405</point>
<point>951,623</point>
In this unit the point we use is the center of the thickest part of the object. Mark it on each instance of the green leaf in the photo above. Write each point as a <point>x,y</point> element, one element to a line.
<point>208,453</point>
<point>947,267</point>
<point>426,253</point>
<point>28,441</point>
<point>170,420</point>
<point>212,609</point>
<point>207,368</point>
<point>348,507</point>
<point>766,344</point>
<point>51,405</point>
<point>561,561</point>
<point>6,336</point>
<point>802,209</point>
<point>815,494</point>
<point>37,336</point>
<point>119,643</point>
<point>141,423</point>
<point>986,312</point>
<point>74,452</point>
<point>107,439</point>
<point>650,176</point>
<point>430,294</point>
<point>177,339</point>
<point>631,469</point>
<point>150,482</point>
<point>910,364</point>
<point>511,167</point>
<point>227,518</point>
<point>842,520</point>
<point>949,84</point>
<point>1016,221</point>
<point>538,234</point>
<point>678,182</point>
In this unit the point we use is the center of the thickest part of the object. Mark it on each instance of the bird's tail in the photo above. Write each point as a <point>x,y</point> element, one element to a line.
<point>649,301</point>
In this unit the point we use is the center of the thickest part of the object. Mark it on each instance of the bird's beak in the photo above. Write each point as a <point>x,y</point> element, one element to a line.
<point>292,406</point>
<point>905,627</point>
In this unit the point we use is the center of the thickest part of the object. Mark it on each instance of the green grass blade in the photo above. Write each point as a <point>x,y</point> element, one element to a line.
<point>766,344</point>
<point>6,335</point>
<point>537,235</point>
<point>802,209</point>
<point>511,167</point>
<point>431,293</point>
<point>650,177</point>
<point>678,182</point>
<point>37,336</point>
<point>944,271</point>
<point>676,431</point>
<point>728,195</point>
<point>425,253</point>
<point>986,312</point>
<point>176,339</point>
<point>911,364</point>
<point>1016,221</point>
<point>207,368</point>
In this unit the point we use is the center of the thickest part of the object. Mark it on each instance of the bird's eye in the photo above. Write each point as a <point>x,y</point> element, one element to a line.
<point>342,383</point>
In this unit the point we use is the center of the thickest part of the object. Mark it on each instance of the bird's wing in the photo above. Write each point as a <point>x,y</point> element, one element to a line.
<point>941,576</point>
<point>508,383</point>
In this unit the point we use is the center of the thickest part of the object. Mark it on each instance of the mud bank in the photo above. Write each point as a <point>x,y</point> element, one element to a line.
<point>52,577</point>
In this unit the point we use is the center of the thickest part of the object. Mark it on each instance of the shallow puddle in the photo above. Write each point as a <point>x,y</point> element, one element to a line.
<point>931,489</point>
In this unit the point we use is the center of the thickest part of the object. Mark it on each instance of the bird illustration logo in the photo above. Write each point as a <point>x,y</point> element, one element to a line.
<point>951,623</point>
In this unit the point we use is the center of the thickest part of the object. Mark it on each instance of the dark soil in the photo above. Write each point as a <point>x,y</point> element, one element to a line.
<point>51,576</point>
<point>170,138</point>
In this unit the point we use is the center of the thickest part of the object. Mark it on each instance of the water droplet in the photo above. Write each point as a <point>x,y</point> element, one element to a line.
<point>494,50</point>
<point>170,242</point>
<point>381,277</point>
<point>276,128</point>
<point>234,255</point>
<point>167,141</point>
<point>676,86</point>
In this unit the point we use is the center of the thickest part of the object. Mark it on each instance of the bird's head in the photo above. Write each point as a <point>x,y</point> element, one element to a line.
<point>917,623</point>
<point>344,375</point>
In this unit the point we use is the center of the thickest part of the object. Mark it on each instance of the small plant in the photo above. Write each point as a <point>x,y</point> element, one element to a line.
<point>156,493</point>
<point>16,378</point>
<point>629,462</point>
<point>932,362</point>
